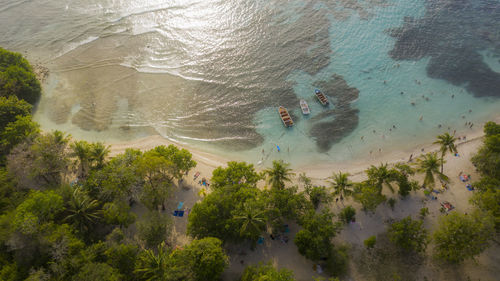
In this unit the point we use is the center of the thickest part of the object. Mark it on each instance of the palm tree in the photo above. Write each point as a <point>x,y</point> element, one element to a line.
<point>381,175</point>
<point>341,185</point>
<point>428,164</point>
<point>447,143</point>
<point>83,210</point>
<point>81,150</point>
<point>60,138</point>
<point>98,155</point>
<point>252,221</point>
<point>152,267</point>
<point>278,174</point>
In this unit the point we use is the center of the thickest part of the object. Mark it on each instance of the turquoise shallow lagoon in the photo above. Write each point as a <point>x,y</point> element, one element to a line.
<point>211,74</point>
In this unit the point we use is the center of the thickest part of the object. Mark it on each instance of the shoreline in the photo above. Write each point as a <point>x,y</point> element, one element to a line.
<point>208,161</point>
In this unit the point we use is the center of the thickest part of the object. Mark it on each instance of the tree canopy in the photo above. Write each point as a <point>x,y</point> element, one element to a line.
<point>461,237</point>
<point>266,272</point>
<point>409,235</point>
<point>17,77</point>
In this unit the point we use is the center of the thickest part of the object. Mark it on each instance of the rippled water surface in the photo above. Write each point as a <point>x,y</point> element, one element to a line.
<point>212,73</point>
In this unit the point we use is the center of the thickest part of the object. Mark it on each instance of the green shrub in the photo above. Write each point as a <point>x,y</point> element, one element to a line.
<point>347,214</point>
<point>370,242</point>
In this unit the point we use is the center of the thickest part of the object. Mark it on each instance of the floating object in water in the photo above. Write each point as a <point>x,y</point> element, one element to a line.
<point>304,107</point>
<point>285,117</point>
<point>321,97</point>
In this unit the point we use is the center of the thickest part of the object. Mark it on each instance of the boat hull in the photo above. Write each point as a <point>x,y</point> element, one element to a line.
<point>285,117</point>
<point>304,107</point>
<point>321,97</point>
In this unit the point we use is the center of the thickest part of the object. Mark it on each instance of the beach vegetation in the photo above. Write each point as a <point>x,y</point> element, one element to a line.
<point>252,220</point>
<point>215,215</point>
<point>10,108</point>
<point>487,162</point>
<point>97,271</point>
<point>279,174</point>
<point>22,129</point>
<point>460,237</point>
<point>401,173</point>
<point>264,272</point>
<point>341,185</point>
<point>119,179</point>
<point>319,195</point>
<point>381,176</point>
<point>447,144</point>
<point>157,173</point>
<point>347,214</point>
<point>429,164</point>
<point>305,181</point>
<point>487,159</point>
<point>424,211</point>
<point>370,242</point>
<point>17,77</point>
<point>83,212</point>
<point>489,201</point>
<point>181,159</point>
<point>409,235</point>
<point>235,173</point>
<point>81,151</point>
<point>201,260</point>
<point>154,229</point>
<point>152,265</point>
<point>368,195</point>
<point>285,204</point>
<point>313,241</point>
<point>118,213</point>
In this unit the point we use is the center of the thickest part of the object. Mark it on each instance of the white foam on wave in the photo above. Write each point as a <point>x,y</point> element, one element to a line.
<point>74,45</point>
<point>163,69</point>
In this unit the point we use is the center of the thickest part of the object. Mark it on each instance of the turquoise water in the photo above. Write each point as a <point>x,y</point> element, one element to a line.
<point>211,74</point>
<point>362,59</point>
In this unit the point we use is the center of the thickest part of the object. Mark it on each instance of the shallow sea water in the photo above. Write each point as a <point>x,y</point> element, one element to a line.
<point>211,74</point>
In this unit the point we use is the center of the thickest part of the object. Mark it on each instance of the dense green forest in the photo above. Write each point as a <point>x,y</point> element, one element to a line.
<point>66,205</point>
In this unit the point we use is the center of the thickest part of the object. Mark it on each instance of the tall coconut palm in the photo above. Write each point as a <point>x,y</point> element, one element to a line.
<point>98,155</point>
<point>447,143</point>
<point>428,165</point>
<point>252,221</point>
<point>151,266</point>
<point>381,175</point>
<point>81,150</point>
<point>83,210</point>
<point>278,174</point>
<point>341,185</point>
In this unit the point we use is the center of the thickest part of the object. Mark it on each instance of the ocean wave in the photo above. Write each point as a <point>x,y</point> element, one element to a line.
<point>73,45</point>
<point>213,139</point>
<point>163,69</point>
<point>12,5</point>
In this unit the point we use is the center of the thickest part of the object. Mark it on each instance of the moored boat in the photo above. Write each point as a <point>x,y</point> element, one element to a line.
<point>304,107</point>
<point>322,98</point>
<point>285,117</point>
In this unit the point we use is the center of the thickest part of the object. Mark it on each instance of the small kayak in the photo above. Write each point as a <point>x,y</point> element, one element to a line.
<point>304,107</point>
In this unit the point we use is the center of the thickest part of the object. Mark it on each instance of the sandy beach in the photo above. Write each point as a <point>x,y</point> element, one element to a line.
<point>367,224</point>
